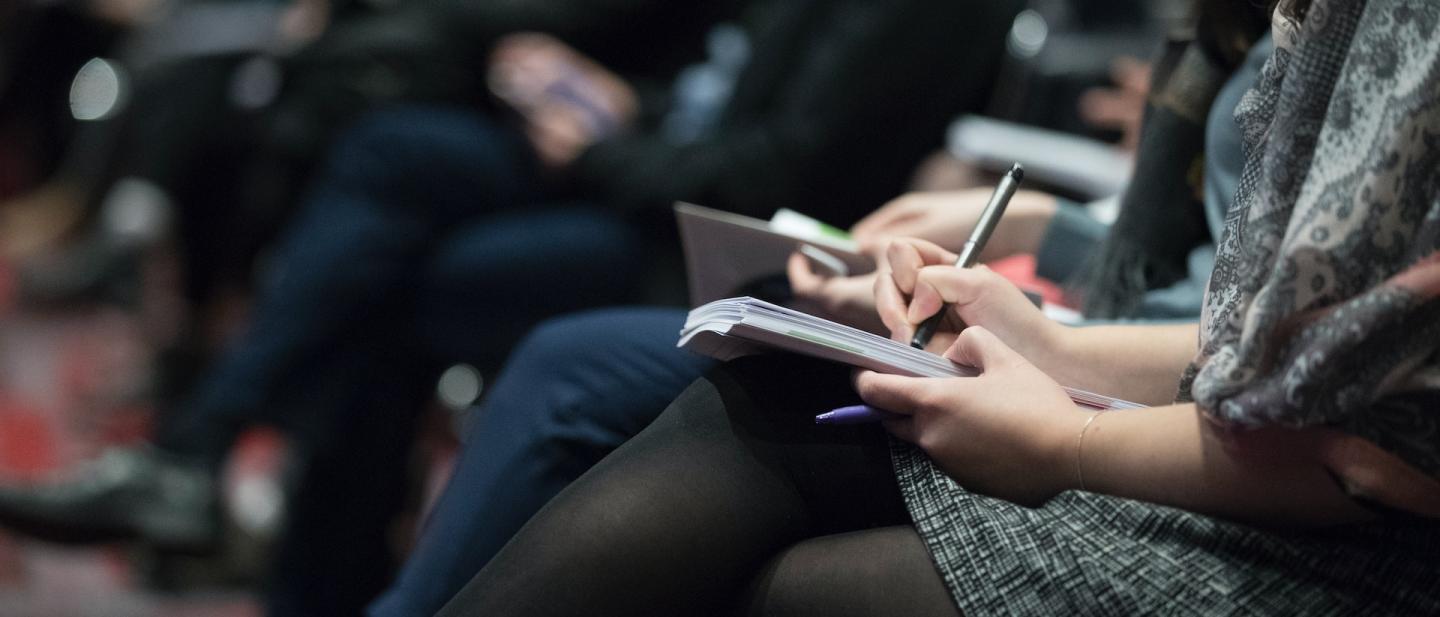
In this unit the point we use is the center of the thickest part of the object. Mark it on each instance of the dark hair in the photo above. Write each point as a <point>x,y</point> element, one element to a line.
<point>1225,29</point>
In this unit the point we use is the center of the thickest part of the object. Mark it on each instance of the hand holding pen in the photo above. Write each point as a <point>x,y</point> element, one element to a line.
<point>918,279</point>
<point>918,291</point>
<point>970,252</point>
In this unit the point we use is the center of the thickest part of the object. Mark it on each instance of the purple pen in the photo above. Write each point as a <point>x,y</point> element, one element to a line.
<point>854,414</point>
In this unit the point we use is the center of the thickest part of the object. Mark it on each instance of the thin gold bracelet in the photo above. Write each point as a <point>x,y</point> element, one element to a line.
<point>1079,448</point>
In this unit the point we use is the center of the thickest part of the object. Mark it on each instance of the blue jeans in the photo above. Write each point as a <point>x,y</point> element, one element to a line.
<point>427,240</point>
<point>572,392</point>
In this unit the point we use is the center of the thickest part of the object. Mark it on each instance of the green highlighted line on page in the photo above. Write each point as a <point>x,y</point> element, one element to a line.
<point>826,342</point>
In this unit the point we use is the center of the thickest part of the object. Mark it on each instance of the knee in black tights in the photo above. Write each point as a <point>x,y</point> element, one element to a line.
<point>680,519</point>
<point>842,473</point>
<point>884,571</point>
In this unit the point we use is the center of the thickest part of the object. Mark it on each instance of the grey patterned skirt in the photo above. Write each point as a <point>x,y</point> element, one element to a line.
<point>1083,553</point>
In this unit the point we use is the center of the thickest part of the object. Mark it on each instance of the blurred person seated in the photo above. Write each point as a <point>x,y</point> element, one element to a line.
<point>395,384</point>
<point>225,108</point>
<point>580,386</point>
<point>423,239</point>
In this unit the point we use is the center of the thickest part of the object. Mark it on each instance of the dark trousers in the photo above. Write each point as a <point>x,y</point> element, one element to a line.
<point>428,230</point>
<point>427,240</point>
<point>572,392</point>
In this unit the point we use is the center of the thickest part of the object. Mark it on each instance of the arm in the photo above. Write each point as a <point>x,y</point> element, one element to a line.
<point>836,124</point>
<point>1061,237</point>
<point>1140,363</point>
<point>1013,433</point>
<point>1137,363</point>
<point>1173,456</point>
<point>672,33</point>
<point>947,217</point>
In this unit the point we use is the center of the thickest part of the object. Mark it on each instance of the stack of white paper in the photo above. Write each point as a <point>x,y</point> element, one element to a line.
<point>734,327</point>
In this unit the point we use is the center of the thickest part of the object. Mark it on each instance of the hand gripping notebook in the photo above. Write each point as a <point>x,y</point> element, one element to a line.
<point>735,327</point>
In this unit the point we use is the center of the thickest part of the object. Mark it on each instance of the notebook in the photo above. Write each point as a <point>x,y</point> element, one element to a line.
<point>734,327</point>
<point>725,252</point>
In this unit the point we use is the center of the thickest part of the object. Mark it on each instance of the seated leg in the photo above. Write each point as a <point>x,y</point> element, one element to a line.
<point>884,571</point>
<point>349,483</point>
<point>394,185</point>
<point>494,278</point>
<point>679,519</point>
<point>573,391</point>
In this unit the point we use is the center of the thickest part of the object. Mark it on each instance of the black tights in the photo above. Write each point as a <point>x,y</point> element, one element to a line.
<point>732,502</point>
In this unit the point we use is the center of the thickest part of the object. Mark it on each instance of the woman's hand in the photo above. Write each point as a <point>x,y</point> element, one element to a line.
<point>1013,433</point>
<point>1121,106</point>
<point>947,217</point>
<point>847,299</point>
<point>918,278</point>
<point>1009,433</point>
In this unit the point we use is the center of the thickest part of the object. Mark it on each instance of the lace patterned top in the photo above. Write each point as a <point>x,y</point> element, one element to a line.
<point>1324,305</point>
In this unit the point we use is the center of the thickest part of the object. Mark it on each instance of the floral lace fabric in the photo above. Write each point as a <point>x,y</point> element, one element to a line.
<point>1324,306</point>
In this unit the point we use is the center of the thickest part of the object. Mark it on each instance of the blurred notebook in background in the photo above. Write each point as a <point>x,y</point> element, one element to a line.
<point>734,327</point>
<point>725,252</point>
<point>1084,167</point>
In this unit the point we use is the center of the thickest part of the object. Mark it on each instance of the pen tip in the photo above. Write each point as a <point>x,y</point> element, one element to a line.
<point>1018,171</point>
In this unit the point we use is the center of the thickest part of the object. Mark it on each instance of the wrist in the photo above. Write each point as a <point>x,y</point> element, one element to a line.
<point>1090,428</point>
<point>1064,453</point>
<point>1053,347</point>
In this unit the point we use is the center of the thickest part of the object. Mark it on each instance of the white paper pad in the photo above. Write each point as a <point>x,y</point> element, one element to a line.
<point>735,327</point>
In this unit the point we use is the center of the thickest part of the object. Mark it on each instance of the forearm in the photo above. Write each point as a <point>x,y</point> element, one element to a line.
<point>1021,230</point>
<point>1140,363</point>
<point>738,172</point>
<point>819,128</point>
<point>1173,456</point>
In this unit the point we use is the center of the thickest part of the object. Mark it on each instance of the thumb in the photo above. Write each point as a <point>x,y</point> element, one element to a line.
<point>981,349</point>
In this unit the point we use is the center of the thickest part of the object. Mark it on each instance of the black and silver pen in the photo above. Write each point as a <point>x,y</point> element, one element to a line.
<point>978,237</point>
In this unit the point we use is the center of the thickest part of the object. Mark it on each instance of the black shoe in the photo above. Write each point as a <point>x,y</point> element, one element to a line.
<point>128,494</point>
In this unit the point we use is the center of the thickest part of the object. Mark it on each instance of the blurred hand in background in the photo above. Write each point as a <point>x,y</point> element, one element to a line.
<point>1120,107</point>
<point>947,217</point>
<point>567,100</point>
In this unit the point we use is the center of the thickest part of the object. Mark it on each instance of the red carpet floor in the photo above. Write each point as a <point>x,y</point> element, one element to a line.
<point>71,383</point>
